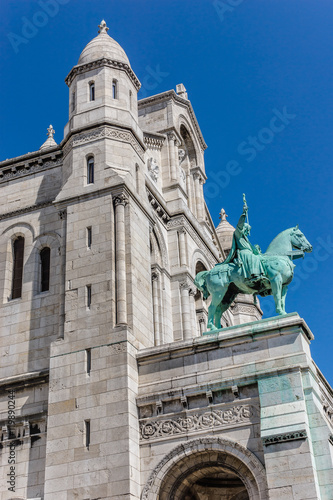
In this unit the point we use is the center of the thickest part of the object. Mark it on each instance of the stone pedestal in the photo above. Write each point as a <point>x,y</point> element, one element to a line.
<point>245,400</point>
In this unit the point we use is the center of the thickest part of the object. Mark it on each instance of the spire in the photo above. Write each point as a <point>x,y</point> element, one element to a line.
<point>103,28</point>
<point>50,142</point>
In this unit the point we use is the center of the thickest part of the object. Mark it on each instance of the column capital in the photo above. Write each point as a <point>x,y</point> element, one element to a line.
<point>187,285</point>
<point>120,199</point>
<point>62,214</point>
<point>154,276</point>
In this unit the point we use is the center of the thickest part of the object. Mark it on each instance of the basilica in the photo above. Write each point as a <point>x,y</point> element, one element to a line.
<point>111,386</point>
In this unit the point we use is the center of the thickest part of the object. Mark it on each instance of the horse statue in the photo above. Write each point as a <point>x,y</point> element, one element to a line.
<point>247,270</point>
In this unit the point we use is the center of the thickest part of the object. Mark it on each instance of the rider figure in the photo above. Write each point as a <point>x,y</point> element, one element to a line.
<point>243,253</point>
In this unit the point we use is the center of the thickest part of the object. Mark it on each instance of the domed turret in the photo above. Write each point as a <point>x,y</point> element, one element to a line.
<point>103,46</point>
<point>225,232</point>
<point>102,86</point>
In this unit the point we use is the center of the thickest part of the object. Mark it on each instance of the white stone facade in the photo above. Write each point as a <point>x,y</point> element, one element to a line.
<point>110,390</point>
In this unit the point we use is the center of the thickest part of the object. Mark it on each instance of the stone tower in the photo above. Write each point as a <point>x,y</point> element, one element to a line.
<point>114,387</point>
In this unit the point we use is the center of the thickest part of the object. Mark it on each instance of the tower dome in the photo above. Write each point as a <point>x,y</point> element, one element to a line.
<point>225,232</point>
<point>103,46</point>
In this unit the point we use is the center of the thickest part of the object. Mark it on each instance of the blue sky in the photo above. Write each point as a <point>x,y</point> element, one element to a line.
<point>243,63</point>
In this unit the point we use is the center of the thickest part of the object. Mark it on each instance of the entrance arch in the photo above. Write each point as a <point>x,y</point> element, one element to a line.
<point>207,466</point>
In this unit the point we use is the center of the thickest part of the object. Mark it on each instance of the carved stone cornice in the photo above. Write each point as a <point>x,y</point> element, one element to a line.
<point>153,141</point>
<point>282,438</point>
<point>105,131</point>
<point>198,173</point>
<point>188,422</point>
<point>99,63</point>
<point>25,210</point>
<point>9,171</point>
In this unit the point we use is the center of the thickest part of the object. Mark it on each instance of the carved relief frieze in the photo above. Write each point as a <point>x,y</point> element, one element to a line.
<point>196,422</point>
<point>112,133</point>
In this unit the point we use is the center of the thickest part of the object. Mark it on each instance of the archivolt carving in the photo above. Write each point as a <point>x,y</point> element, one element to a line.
<point>255,469</point>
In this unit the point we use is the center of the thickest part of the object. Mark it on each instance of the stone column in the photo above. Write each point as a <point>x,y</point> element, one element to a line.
<point>156,307</point>
<point>172,155</point>
<point>198,197</point>
<point>120,202</point>
<point>186,310</point>
<point>182,247</point>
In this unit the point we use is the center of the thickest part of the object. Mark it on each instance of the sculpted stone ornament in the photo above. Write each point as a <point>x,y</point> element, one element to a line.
<point>247,270</point>
<point>153,169</point>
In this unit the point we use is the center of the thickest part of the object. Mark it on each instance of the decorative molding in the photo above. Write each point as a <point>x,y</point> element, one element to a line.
<point>282,438</point>
<point>152,141</point>
<point>83,68</point>
<point>158,208</point>
<point>32,166</point>
<point>330,439</point>
<point>25,210</point>
<point>159,428</point>
<point>109,132</point>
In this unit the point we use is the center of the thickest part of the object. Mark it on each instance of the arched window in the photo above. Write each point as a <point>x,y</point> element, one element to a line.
<point>114,89</point>
<point>92,91</point>
<point>45,269</point>
<point>18,254</point>
<point>90,170</point>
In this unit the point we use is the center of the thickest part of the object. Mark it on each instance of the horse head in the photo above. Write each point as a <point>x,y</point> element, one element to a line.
<point>299,241</point>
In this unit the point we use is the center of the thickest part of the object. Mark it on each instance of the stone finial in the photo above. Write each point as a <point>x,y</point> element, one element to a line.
<point>103,28</point>
<point>50,142</point>
<point>223,215</point>
<point>50,132</point>
<point>181,91</point>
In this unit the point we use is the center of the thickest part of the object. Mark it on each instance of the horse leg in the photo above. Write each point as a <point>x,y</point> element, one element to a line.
<point>283,296</point>
<point>218,316</point>
<point>276,284</point>
<point>216,299</point>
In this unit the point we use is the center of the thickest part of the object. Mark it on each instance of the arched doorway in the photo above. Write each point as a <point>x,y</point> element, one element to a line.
<point>213,483</point>
<point>208,469</point>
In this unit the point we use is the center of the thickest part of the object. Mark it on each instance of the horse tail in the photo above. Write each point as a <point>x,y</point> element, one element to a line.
<point>200,283</point>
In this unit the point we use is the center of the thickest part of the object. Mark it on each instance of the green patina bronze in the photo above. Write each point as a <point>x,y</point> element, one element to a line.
<point>247,270</point>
